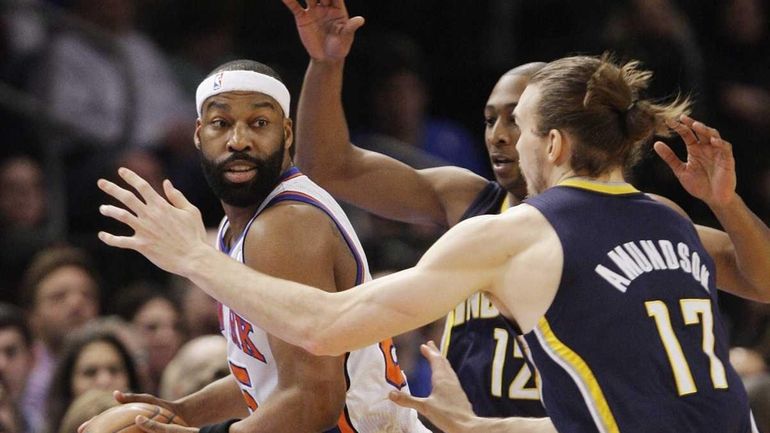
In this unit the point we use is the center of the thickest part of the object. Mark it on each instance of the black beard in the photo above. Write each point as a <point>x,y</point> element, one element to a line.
<point>246,194</point>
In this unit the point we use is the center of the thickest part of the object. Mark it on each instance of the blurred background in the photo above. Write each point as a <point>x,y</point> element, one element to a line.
<point>87,86</point>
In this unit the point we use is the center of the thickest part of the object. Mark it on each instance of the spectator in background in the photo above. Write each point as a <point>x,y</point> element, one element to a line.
<point>739,68</point>
<point>23,217</point>
<point>121,267</point>
<point>158,320</point>
<point>60,290</point>
<point>87,87</point>
<point>643,29</point>
<point>10,417</point>
<point>199,310</point>
<point>399,107</point>
<point>131,338</point>
<point>92,359</point>
<point>198,363</point>
<point>117,91</point>
<point>15,357</point>
<point>739,65</point>
<point>85,407</point>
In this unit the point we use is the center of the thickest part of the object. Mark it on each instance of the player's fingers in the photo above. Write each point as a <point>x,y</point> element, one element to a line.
<point>123,242</point>
<point>703,132</point>
<point>119,214</point>
<point>176,198</point>
<point>722,144</point>
<point>295,7</point>
<point>352,25</point>
<point>140,185</point>
<point>668,156</point>
<point>407,400</point>
<point>325,3</point>
<point>430,351</point>
<point>684,131</point>
<point>152,426</point>
<point>686,120</point>
<point>123,195</point>
<point>702,128</point>
<point>82,427</point>
<point>130,397</point>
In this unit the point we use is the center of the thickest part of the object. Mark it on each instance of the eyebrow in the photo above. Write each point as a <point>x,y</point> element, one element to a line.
<point>219,105</point>
<point>226,107</point>
<point>265,104</point>
<point>509,106</point>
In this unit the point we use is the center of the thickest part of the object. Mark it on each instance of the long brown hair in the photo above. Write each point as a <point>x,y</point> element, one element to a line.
<point>598,102</point>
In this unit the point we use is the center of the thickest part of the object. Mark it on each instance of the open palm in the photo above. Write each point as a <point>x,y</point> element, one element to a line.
<point>324,27</point>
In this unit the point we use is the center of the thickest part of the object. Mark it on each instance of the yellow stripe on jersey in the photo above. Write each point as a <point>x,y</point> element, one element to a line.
<point>604,187</point>
<point>447,336</point>
<point>506,203</point>
<point>581,373</point>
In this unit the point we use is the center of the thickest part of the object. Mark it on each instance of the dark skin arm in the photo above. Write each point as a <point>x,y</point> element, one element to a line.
<point>742,250</point>
<point>217,402</point>
<point>303,246</point>
<point>393,190</point>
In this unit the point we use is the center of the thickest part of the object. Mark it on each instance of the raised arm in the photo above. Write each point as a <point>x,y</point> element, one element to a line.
<point>370,180</point>
<point>742,255</point>
<point>467,259</point>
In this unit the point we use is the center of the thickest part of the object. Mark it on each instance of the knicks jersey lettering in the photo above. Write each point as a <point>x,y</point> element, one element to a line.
<point>241,338</point>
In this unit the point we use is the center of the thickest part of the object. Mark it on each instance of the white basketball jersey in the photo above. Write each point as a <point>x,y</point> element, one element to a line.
<point>371,373</point>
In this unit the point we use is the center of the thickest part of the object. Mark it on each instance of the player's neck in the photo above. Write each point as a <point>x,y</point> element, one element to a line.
<point>238,218</point>
<point>614,175</point>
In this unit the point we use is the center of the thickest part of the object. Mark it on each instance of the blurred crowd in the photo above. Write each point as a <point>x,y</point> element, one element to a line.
<point>87,86</point>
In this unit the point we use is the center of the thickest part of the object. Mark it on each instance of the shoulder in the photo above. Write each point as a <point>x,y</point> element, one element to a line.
<point>292,220</point>
<point>503,235</point>
<point>669,203</point>
<point>291,228</point>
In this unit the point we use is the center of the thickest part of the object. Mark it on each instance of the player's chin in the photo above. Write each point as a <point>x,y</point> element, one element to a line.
<point>511,180</point>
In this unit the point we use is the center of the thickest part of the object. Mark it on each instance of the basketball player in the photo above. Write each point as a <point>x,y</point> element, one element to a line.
<point>278,221</point>
<point>614,291</point>
<point>478,342</point>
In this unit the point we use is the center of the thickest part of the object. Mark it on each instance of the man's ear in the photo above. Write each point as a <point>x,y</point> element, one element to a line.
<point>556,145</point>
<point>196,138</point>
<point>288,132</point>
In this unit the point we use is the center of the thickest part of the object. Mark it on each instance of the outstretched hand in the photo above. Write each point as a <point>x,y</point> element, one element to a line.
<point>447,407</point>
<point>709,172</point>
<point>168,231</point>
<point>325,28</point>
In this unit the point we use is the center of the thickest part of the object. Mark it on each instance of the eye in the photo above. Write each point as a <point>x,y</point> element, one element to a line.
<point>260,123</point>
<point>489,121</point>
<point>89,372</point>
<point>219,123</point>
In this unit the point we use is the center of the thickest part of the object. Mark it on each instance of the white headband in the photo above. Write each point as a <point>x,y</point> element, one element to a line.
<point>242,81</point>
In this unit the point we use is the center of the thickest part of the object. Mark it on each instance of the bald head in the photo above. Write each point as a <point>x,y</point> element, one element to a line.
<point>526,70</point>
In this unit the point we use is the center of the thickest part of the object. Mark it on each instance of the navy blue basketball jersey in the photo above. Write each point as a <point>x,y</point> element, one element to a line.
<point>633,341</point>
<point>483,349</point>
